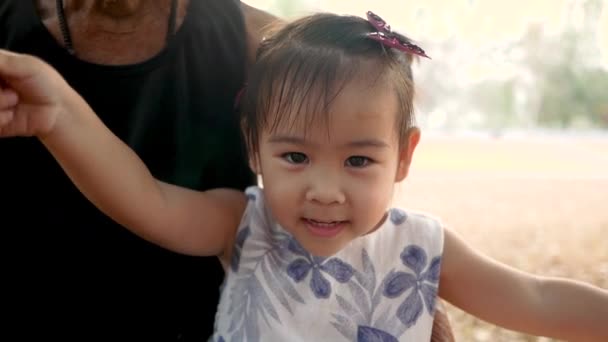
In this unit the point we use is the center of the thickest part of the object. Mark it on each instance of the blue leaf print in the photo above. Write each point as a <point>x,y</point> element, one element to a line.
<point>338,269</point>
<point>275,286</point>
<point>382,319</point>
<point>319,285</point>
<point>237,304</point>
<point>344,326</point>
<point>397,283</point>
<point>414,257</point>
<point>397,216</point>
<point>298,269</point>
<point>409,311</point>
<point>434,271</point>
<point>348,308</point>
<point>282,257</point>
<point>340,319</point>
<point>357,309</point>
<point>256,245</point>
<point>260,299</point>
<point>252,329</point>
<point>369,273</point>
<point>389,322</point>
<point>250,304</point>
<point>358,295</point>
<point>239,242</point>
<point>369,334</point>
<point>423,283</point>
<point>378,294</point>
<point>283,280</point>
<point>429,294</point>
<point>265,317</point>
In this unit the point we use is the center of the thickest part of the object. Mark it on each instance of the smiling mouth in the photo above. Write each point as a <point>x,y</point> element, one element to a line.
<point>328,224</point>
<point>324,228</point>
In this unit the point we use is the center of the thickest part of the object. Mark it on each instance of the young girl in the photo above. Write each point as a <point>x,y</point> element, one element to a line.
<point>316,254</point>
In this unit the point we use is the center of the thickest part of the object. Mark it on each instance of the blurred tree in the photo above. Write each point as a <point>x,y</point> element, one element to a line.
<point>570,89</point>
<point>497,99</point>
<point>552,81</point>
<point>573,91</point>
<point>574,96</point>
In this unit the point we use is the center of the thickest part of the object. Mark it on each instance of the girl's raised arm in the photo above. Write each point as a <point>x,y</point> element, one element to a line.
<point>106,170</point>
<point>543,306</point>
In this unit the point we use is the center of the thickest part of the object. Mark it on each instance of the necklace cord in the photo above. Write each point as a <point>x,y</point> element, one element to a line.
<point>65,30</point>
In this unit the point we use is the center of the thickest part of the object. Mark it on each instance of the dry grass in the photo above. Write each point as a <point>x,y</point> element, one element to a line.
<point>536,204</point>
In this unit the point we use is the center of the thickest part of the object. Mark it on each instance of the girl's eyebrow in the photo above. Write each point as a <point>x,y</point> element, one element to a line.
<point>287,139</point>
<point>294,140</point>
<point>376,143</point>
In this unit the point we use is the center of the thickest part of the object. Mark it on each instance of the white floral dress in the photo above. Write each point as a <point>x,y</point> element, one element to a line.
<point>381,287</point>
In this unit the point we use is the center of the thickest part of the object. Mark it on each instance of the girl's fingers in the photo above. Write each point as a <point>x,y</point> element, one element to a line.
<point>8,98</point>
<point>14,65</point>
<point>6,116</point>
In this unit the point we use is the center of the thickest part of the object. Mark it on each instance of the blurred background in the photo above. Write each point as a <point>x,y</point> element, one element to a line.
<point>513,108</point>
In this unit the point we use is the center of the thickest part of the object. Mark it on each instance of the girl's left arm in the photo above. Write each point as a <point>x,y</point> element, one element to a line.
<point>543,306</point>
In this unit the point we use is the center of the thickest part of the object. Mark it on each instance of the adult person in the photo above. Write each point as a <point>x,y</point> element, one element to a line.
<point>162,74</point>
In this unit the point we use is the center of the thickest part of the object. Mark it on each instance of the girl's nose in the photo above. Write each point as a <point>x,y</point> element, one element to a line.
<point>325,191</point>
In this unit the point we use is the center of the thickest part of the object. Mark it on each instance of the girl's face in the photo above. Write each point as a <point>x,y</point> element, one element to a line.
<point>333,181</point>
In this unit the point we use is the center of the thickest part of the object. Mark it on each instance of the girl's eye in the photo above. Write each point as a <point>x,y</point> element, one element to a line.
<point>357,161</point>
<point>295,157</point>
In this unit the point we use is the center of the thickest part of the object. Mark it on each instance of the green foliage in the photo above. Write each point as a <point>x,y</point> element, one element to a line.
<point>572,88</point>
<point>567,89</point>
<point>574,96</point>
<point>497,98</point>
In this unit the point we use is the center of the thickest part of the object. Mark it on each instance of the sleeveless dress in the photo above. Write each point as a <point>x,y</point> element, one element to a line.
<point>381,287</point>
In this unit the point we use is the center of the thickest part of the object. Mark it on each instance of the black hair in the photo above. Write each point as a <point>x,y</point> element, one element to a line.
<point>302,67</point>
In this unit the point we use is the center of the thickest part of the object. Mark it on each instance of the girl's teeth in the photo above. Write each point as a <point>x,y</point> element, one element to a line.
<point>325,224</point>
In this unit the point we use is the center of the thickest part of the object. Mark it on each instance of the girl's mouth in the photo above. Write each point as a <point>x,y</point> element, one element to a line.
<point>324,228</point>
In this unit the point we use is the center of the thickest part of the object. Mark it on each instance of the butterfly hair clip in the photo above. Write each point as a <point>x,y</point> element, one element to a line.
<point>388,38</point>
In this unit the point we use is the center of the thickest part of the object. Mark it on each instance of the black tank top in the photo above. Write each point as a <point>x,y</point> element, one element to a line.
<point>69,271</point>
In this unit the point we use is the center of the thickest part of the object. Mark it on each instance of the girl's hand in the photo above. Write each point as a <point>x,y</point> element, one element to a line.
<point>32,94</point>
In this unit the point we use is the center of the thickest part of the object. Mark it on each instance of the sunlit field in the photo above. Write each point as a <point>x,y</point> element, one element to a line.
<point>538,204</point>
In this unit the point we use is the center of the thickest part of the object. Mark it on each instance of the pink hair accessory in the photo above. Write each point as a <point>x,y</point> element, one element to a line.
<point>239,97</point>
<point>385,36</point>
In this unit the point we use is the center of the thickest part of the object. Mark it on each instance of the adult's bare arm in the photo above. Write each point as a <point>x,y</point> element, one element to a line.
<point>258,23</point>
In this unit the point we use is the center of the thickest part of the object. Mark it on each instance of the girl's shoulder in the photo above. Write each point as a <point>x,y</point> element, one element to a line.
<point>256,216</point>
<point>416,228</point>
<point>416,220</point>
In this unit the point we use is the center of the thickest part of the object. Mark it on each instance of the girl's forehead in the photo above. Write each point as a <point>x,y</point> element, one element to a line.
<point>359,107</point>
<point>361,97</point>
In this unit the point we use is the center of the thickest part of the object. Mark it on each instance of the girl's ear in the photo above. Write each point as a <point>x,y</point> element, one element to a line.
<point>406,153</point>
<point>254,163</point>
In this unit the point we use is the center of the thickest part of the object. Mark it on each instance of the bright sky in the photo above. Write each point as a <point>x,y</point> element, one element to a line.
<point>477,22</point>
